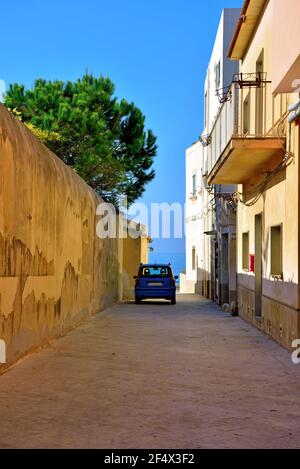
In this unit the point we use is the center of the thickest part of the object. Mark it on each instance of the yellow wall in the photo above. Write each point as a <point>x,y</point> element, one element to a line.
<point>278,205</point>
<point>54,270</point>
<point>286,50</point>
<point>263,39</point>
<point>135,252</point>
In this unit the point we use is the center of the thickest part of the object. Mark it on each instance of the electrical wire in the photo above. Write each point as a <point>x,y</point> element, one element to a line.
<point>256,193</point>
<point>208,208</point>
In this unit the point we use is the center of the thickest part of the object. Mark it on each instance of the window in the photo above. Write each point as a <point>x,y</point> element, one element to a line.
<point>159,271</point>
<point>194,258</point>
<point>246,115</point>
<point>206,110</point>
<point>194,184</point>
<point>218,75</point>
<point>276,251</point>
<point>246,251</point>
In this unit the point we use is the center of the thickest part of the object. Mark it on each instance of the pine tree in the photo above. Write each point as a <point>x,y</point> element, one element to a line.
<point>104,140</point>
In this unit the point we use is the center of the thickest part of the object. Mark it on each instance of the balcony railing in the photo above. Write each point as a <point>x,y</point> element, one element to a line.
<point>225,125</point>
<point>249,112</point>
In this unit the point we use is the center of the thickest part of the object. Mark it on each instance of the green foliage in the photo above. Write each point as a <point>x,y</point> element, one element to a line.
<point>104,140</point>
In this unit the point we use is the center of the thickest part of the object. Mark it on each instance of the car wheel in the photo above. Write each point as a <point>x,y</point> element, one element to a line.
<point>173,301</point>
<point>138,301</point>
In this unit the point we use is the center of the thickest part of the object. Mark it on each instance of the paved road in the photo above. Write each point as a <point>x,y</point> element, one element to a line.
<point>154,376</point>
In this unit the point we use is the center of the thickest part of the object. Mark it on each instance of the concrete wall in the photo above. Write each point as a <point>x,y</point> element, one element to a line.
<point>202,207</point>
<point>279,205</point>
<point>286,50</point>
<point>227,68</point>
<point>198,220</point>
<point>54,270</point>
<point>193,209</point>
<point>135,252</point>
<point>280,298</point>
<point>205,211</point>
<point>231,16</point>
<point>263,43</point>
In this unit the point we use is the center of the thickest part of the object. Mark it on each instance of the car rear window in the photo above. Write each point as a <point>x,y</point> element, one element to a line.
<point>156,272</point>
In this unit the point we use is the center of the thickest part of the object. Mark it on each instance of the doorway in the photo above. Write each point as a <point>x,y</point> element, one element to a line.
<point>224,271</point>
<point>216,283</point>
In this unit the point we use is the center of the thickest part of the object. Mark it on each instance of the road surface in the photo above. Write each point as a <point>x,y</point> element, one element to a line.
<point>154,376</point>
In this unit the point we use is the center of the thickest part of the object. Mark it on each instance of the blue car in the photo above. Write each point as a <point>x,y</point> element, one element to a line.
<point>155,282</point>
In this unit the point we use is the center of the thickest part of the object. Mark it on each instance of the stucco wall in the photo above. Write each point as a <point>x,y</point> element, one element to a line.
<point>194,207</point>
<point>54,270</point>
<point>286,50</point>
<point>278,205</point>
<point>228,68</point>
<point>135,252</point>
<point>199,219</point>
<point>279,321</point>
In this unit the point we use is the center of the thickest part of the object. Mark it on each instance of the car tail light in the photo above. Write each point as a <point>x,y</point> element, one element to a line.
<point>172,280</point>
<point>137,282</point>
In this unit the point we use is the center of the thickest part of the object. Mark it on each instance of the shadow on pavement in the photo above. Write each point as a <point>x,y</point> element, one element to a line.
<point>150,303</point>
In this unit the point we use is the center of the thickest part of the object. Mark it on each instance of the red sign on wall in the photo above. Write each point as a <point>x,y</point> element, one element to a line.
<point>251,263</point>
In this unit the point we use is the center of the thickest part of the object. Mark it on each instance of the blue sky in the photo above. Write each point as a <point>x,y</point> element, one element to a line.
<point>155,51</point>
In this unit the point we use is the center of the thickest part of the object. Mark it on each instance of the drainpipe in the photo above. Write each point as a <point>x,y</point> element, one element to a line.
<point>294,111</point>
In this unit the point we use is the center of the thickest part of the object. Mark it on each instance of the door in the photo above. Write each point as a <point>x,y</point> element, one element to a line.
<point>224,274</point>
<point>216,272</point>
<point>258,265</point>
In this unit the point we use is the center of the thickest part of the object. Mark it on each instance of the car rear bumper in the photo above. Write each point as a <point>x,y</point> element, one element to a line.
<point>155,293</point>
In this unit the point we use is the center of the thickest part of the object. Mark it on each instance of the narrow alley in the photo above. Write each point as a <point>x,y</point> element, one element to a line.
<point>154,376</point>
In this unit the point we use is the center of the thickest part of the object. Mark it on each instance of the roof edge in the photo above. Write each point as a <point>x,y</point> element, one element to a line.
<point>238,27</point>
<point>250,17</point>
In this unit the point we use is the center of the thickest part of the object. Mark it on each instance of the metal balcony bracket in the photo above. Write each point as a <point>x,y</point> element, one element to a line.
<point>229,199</point>
<point>251,80</point>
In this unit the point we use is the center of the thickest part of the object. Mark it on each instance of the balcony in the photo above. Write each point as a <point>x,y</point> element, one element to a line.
<point>248,134</point>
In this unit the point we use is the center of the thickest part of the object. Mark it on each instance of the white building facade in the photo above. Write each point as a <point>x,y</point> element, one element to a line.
<point>199,218</point>
<point>210,221</point>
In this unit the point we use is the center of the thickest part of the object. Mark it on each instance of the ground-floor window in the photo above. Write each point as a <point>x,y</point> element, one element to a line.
<point>245,254</point>
<point>276,251</point>
<point>194,184</point>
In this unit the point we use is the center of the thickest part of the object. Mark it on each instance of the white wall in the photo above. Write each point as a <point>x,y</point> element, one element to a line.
<point>286,46</point>
<point>194,206</point>
<point>196,159</point>
<point>228,68</point>
<point>198,219</point>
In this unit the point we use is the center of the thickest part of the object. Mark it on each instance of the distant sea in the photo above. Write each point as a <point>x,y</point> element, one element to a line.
<point>176,259</point>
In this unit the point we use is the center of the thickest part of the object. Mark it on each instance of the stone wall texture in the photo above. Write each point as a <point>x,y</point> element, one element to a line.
<point>54,270</point>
